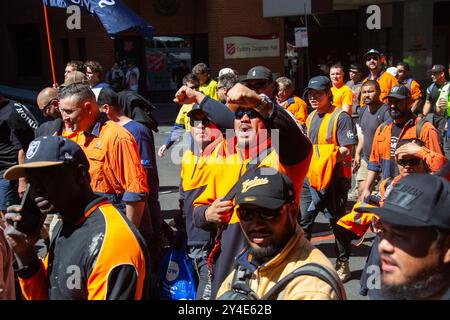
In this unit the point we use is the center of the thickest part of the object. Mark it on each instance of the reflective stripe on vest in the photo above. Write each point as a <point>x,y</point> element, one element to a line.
<point>329,122</point>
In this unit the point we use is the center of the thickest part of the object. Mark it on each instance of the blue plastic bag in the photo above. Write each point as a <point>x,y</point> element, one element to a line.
<point>176,279</point>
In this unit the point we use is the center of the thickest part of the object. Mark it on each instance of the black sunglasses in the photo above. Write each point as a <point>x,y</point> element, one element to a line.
<point>251,113</point>
<point>411,162</point>
<point>47,106</point>
<point>247,214</point>
<point>257,85</point>
<point>372,58</point>
<point>194,122</point>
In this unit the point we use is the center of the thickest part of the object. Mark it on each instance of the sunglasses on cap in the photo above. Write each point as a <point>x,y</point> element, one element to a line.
<point>257,85</point>
<point>248,214</point>
<point>194,122</point>
<point>410,162</point>
<point>251,113</point>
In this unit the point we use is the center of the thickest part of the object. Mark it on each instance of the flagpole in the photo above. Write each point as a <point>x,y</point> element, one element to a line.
<point>52,63</point>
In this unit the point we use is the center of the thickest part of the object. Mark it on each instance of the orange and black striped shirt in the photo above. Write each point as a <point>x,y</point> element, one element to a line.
<point>101,257</point>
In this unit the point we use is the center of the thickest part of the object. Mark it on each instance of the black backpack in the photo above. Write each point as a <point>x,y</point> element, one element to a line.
<point>240,289</point>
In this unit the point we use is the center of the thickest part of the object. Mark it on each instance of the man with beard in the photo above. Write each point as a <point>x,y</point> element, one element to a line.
<point>412,157</point>
<point>264,135</point>
<point>403,125</point>
<point>414,242</point>
<point>372,59</point>
<point>371,115</point>
<point>95,253</point>
<point>268,214</point>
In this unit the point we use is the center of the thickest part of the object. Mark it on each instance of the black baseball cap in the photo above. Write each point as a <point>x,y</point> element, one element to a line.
<point>223,118</point>
<point>195,109</point>
<point>48,152</point>
<point>437,68</point>
<point>372,52</point>
<point>355,67</point>
<point>259,73</point>
<point>399,92</point>
<point>417,200</point>
<point>320,83</point>
<point>265,187</point>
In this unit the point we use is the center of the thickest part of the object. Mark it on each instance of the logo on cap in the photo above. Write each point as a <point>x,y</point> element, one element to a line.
<point>68,156</point>
<point>32,149</point>
<point>254,73</point>
<point>395,89</point>
<point>248,184</point>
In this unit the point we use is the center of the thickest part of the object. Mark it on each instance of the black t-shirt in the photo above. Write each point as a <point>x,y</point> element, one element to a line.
<point>344,131</point>
<point>369,123</point>
<point>395,134</point>
<point>17,126</point>
<point>433,92</point>
<point>9,145</point>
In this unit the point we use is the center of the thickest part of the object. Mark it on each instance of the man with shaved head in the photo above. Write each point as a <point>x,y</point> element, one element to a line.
<point>47,102</point>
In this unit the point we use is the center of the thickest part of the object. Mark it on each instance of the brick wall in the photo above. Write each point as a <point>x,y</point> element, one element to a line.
<point>217,18</point>
<point>228,18</point>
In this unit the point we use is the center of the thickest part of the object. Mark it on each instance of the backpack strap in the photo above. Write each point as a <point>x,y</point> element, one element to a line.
<point>419,127</point>
<point>308,123</point>
<point>314,270</point>
<point>409,83</point>
<point>241,283</point>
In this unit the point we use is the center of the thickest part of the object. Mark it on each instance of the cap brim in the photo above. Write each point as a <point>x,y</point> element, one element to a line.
<point>396,96</point>
<point>255,78</point>
<point>264,202</point>
<point>395,217</point>
<point>18,171</point>
<point>194,111</point>
<point>371,54</point>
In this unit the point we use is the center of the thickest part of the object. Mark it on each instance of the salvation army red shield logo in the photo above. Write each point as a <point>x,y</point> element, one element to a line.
<point>231,48</point>
<point>156,62</point>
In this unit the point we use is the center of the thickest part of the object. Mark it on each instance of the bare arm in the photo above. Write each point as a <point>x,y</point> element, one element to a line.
<point>344,152</point>
<point>368,187</point>
<point>134,212</point>
<point>426,108</point>
<point>358,153</point>
<point>347,108</point>
<point>415,105</point>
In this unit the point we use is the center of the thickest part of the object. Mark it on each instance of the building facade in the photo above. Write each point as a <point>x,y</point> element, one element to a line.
<point>235,34</point>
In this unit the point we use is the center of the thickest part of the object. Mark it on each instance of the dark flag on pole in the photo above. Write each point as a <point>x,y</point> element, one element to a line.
<point>115,16</point>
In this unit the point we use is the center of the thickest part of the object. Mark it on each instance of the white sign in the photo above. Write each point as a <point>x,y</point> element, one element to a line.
<point>237,47</point>
<point>301,37</point>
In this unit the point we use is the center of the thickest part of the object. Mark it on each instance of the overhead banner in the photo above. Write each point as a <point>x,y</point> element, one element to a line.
<point>114,15</point>
<point>239,47</point>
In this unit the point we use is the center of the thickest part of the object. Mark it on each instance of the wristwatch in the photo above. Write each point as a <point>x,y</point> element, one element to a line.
<point>261,107</point>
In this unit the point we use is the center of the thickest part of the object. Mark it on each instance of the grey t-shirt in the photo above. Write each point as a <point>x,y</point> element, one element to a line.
<point>344,131</point>
<point>369,123</point>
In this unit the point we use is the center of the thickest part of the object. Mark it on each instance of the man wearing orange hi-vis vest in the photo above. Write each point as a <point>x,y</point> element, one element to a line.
<point>331,131</point>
